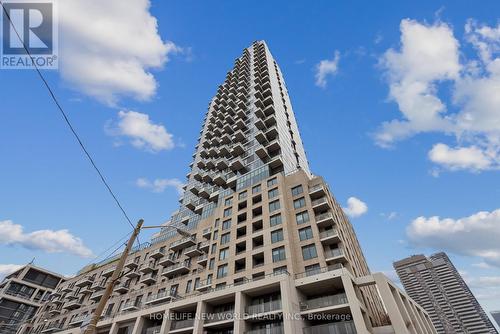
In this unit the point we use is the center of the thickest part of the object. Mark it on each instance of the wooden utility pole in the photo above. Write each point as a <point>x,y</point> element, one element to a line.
<point>91,327</point>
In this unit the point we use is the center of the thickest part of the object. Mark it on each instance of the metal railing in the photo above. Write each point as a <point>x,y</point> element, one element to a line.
<point>182,324</point>
<point>273,305</point>
<point>317,271</point>
<point>324,301</point>
<point>328,233</point>
<point>334,252</point>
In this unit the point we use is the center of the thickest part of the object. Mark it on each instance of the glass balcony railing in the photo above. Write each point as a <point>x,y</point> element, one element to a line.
<point>269,330</point>
<point>344,327</point>
<point>324,301</point>
<point>264,307</point>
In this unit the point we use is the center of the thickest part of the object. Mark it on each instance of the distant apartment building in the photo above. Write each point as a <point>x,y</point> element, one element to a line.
<point>496,317</point>
<point>267,249</point>
<point>437,286</point>
<point>22,293</point>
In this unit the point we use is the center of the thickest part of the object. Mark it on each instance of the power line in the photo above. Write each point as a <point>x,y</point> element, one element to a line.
<point>66,119</point>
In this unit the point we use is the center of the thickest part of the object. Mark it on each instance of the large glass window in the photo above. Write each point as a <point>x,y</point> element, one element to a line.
<point>224,254</point>
<point>305,233</point>
<point>309,252</point>
<point>225,238</point>
<point>302,217</point>
<point>273,193</point>
<point>277,236</point>
<point>275,220</point>
<point>222,271</point>
<point>299,203</point>
<point>279,254</point>
<point>273,206</point>
<point>297,190</point>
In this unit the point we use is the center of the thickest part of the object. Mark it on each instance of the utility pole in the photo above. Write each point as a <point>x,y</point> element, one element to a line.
<point>91,327</point>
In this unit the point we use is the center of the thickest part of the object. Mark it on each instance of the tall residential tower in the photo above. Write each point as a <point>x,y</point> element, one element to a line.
<point>438,287</point>
<point>266,248</point>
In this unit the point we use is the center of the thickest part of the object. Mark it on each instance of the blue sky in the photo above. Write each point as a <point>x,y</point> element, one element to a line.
<point>137,97</point>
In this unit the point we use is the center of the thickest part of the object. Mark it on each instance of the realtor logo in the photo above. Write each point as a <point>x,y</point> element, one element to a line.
<point>29,35</point>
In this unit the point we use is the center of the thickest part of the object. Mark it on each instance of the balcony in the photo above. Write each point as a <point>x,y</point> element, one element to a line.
<point>55,311</point>
<point>57,327</point>
<point>161,297</point>
<point>261,138</point>
<point>176,269</point>
<point>73,304</point>
<point>272,133</point>
<point>167,260</point>
<point>181,324</point>
<point>131,306</point>
<point>274,330</point>
<point>231,180</point>
<point>97,295</point>
<point>193,251</point>
<point>276,162</point>
<point>87,280</point>
<point>147,268</point>
<point>237,164</point>
<point>259,123</point>
<point>324,219</point>
<point>78,320</point>
<point>221,165</point>
<point>202,260</point>
<point>132,274</point>
<point>158,254</point>
<point>149,278</point>
<point>335,255</point>
<point>317,191</point>
<point>204,192</point>
<point>194,189</point>
<point>261,152</point>
<point>123,287</point>
<point>67,288</point>
<point>153,330</point>
<point>324,302</point>
<point>220,179</point>
<point>206,233</point>
<point>133,264</point>
<point>204,285</point>
<point>238,136</point>
<point>108,271</point>
<point>329,237</point>
<point>214,195</point>
<point>237,150</point>
<point>320,204</point>
<point>344,327</point>
<point>219,317</point>
<point>266,307</point>
<point>182,243</point>
<point>204,246</point>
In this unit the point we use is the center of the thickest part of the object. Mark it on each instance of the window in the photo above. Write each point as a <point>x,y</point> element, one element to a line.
<point>222,271</point>
<point>277,236</point>
<point>309,252</point>
<point>279,254</point>
<point>242,195</point>
<point>217,223</point>
<point>302,217</point>
<point>209,279</point>
<point>211,264</point>
<point>216,235</point>
<point>275,220</point>
<point>196,283</point>
<point>214,249</point>
<point>313,269</point>
<point>256,189</point>
<point>228,212</point>
<point>188,286</point>
<point>273,193</point>
<point>305,233</point>
<point>225,238</point>
<point>228,201</point>
<point>272,182</point>
<point>280,270</point>
<point>297,190</point>
<point>273,206</point>
<point>226,224</point>
<point>299,203</point>
<point>224,254</point>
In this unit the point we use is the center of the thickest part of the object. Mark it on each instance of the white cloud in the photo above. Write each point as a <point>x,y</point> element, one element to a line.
<point>429,54</point>
<point>417,73</point>
<point>355,207</point>
<point>143,133</point>
<point>6,269</point>
<point>482,265</point>
<point>159,185</point>
<point>476,235</point>
<point>326,68</point>
<point>472,158</point>
<point>108,48</point>
<point>50,241</point>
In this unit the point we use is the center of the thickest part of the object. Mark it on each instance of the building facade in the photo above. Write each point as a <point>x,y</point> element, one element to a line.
<point>496,317</point>
<point>438,287</point>
<point>268,250</point>
<point>22,293</point>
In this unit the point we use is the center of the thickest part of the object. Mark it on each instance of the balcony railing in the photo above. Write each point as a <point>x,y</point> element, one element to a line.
<point>271,330</point>
<point>329,253</point>
<point>324,301</point>
<point>264,307</point>
<point>222,316</point>
<point>316,271</point>
<point>344,327</point>
<point>182,324</point>
<point>153,330</point>
<point>328,233</point>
